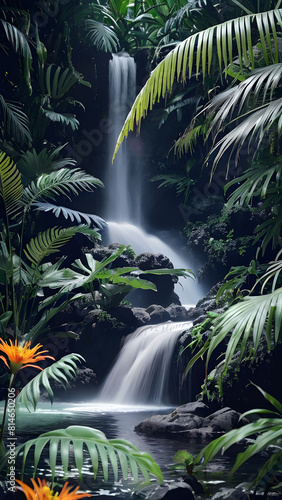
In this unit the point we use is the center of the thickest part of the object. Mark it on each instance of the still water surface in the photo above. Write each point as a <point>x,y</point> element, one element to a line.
<point>118,421</point>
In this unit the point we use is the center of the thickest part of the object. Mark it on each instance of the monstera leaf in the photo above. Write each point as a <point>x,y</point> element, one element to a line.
<point>102,452</point>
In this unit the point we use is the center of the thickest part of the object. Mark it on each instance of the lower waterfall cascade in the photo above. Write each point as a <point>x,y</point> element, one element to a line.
<point>141,372</point>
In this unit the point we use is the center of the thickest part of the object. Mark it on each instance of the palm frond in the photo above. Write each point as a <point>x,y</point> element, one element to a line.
<point>270,231</point>
<point>197,53</point>
<point>59,81</point>
<point>272,272</point>
<point>34,164</point>
<point>254,316</point>
<point>11,187</point>
<point>101,35</point>
<point>61,371</point>
<point>20,44</point>
<point>253,129</point>
<point>102,452</point>
<point>17,39</point>
<point>63,182</point>
<point>64,118</point>
<point>268,431</point>
<point>255,181</point>
<point>73,215</point>
<point>15,121</point>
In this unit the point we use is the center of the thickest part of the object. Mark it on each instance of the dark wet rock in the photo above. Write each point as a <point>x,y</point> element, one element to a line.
<point>158,314</point>
<point>238,493</point>
<point>195,407</point>
<point>196,486</point>
<point>173,490</point>
<point>224,420</point>
<point>142,317</point>
<point>146,261</point>
<point>177,313</point>
<point>191,419</point>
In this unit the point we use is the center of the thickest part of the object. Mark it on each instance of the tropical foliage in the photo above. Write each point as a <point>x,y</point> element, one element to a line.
<point>102,452</point>
<point>266,431</point>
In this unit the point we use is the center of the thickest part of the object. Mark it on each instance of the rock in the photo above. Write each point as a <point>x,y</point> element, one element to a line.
<point>196,486</point>
<point>147,261</point>
<point>158,314</point>
<point>175,490</point>
<point>141,316</point>
<point>196,407</point>
<point>192,419</point>
<point>238,493</point>
<point>177,313</point>
<point>224,420</point>
<point>169,424</point>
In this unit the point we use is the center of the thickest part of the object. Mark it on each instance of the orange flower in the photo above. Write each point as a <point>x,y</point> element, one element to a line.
<point>41,491</point>
<point>19,355</point>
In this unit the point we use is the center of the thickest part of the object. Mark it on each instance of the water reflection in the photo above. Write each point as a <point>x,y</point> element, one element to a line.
<point>118,421</point>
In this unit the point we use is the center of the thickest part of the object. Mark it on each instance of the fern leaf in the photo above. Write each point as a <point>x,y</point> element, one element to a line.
<point>11,187</point>
<point>61,371</point>
<point>51,240</point>
<point>63,182</point>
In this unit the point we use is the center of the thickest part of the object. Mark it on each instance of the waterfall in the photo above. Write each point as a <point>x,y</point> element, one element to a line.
<point>141,373</point>
<point>123,183</point>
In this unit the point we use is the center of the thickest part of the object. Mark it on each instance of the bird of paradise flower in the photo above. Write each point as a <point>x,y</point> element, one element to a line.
<point>19,356</point>
<point>42,491</point>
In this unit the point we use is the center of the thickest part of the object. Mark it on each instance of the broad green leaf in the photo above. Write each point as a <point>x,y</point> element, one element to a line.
<point>96,444</point>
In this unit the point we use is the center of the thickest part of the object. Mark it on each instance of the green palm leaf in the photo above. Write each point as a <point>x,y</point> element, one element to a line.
<point>63,182</point>
<point>17,39</point>
<point>61,371</point>
<point>20,44</point>
<point>101,35</point>
<point>11,187</point>
<point>252,314</point>
<point>252,317</point>
<point>269,427</point>
<point>102,452</point>
<point>64,118</point>
<point>197,53</point>
<point>15,121</point>
<point>254,128</point>
<point>59,82</point>
<point>68,213</point>
<point>33,164</point>
<point>51,240</point>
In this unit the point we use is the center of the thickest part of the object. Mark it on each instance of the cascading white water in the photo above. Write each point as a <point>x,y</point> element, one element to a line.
<point>123,198</point>
<point>123,183</point>
<point>187,289</point>
<point>142,370</point>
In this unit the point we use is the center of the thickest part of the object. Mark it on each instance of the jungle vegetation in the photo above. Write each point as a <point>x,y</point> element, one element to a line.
<point>216,73</point>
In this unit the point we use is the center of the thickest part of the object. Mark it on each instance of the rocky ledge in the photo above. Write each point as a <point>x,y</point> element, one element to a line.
<point>192,420</point>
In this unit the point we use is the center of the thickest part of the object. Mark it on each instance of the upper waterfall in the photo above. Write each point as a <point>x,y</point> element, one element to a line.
<point>125,187</point>
<point>122,183</point>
